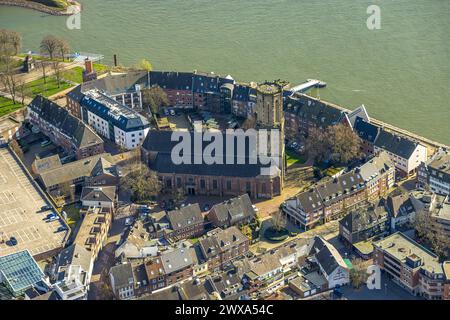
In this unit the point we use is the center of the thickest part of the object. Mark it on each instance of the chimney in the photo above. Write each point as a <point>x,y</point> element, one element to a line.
<point>88,65</point>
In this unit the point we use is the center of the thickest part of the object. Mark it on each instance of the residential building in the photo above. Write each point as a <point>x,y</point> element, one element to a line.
<point>103,197</point>
<point>368,132</point>
<point>113,120</point>
<point>435,173</point>
<point>400,208</point>
<point>63,129</point>
<point>232,212</point>
<point>93,231</point>
<point>411,266</point>
<point>330,200</point>
<point>155,274</point>
<point>406,154</point>
<point>62,181</point>
<point>73,273</point>
<point>331,264</point>
<point>186,222</point>
<point>303,112</point>
<point>189,290</point>
<point>221,247</point>
<point>364,224</point>
<point>122,281</point>
<point>226,285</point>
<point>177,265</point>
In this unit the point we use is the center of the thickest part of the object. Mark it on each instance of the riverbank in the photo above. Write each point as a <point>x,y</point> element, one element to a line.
<point>73,8</point>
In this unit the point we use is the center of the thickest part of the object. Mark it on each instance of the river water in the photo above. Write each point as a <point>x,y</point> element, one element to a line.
<point>401,73</point>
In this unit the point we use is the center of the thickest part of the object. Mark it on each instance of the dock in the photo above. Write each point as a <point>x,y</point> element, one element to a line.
<point>309,84</point>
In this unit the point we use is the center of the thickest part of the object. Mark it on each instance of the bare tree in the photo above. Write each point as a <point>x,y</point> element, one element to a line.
<point>358,274</point>
<point>57,70</point>
<point>63,47</point>
<point>278,220</point>
<point>49,45</point>
<point>345,143</point>
<point>10,42</point>
<point>155,98</point>
<point>317,145</point>
<point>8,79</point>
<point>431,232</point>
<point>141,182</point>
<point>44,70</point>
<point>21,87</point>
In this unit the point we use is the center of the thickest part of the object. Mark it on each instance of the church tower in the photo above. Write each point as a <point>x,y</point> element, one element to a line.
<point>270,114</point>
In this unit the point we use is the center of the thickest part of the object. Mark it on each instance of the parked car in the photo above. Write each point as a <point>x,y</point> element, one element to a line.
<point>172,112</point>
<point>13,241</point>
<point>45,143</point>
<point>206,207</point>
<point>128,221</point>
<point>46,207</point>
<point>61,229</point>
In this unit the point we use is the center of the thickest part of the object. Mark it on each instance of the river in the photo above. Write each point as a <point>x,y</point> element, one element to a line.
<point>401,73</point>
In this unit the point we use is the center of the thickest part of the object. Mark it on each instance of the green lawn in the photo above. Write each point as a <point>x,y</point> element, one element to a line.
<point>7,106</point>
<point>293,158</point>
<point>76,74</point>
<point>73,214</point>
<point>48,89</point>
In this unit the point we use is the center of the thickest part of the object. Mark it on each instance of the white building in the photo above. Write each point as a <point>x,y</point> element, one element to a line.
<point>113,120</point>
<point>122,281</point>
<point>406,154</point>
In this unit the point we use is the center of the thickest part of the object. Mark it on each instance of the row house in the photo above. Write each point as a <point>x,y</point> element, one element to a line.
<point>406,154</point>
<point>244,100</point>
<point>123,281</point>
<point>303,112</point>
<point>435,173</point>
<point>368,133</point>
<point>412,266</point>
<point>327,201</point>
<point>63,129</point>
<point>169,268</point>
<point>221,247</point>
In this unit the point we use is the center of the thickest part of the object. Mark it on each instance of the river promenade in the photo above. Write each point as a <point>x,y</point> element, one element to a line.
<point>75,7</point>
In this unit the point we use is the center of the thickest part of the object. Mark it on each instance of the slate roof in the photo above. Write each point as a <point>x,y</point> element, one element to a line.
<point>160,143</point>
<point>310,200</point>
<point>185,217</point>
<point>375,167</point>
<point>441,165</point>
<point>337,188</point>
<point>100,194</point>
<point>358,113</point>
<point>365,130</point>
<point>328,257</point>
<point>114,112</point>
<point>395,144</point>
<point>398,203</point>
<point>81,135</point>
<point>71,171</point>
<point>235,209</point>
<point>313,110</point>
<point>364,218</point>
<point>221,240</point>
<point>123,275</point>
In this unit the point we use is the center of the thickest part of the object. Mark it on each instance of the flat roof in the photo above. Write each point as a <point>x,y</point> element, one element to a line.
<point>20,211</point>
<point>400,247</point>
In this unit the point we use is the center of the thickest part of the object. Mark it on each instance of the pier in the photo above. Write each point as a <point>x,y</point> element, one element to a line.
<point>309,84</point>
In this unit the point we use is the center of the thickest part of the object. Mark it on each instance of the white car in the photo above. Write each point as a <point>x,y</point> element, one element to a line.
<point>128,221</point>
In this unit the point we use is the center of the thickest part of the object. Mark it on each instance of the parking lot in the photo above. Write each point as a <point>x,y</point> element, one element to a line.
<point>20,212</point>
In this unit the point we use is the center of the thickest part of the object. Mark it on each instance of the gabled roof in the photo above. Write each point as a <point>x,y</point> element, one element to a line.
<point>235,209</point>
<point>360,113</point>
<point>221,240</point>
<point>328,257</point>
<point>395,144</point>
<point>81,135</point>
<point>365,130</point>
<point>399,203</point>
<point>364,218</point>
<point>185,217</point>
<point>376,166</point>
<point>71,171</point>
<point>100,194</point>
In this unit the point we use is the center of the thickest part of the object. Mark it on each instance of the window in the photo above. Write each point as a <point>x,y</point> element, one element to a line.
<point>228,184</point>
<point>168,183</point>
<point>178,182</point>
<point>214,184</point>
<point>202,184</point>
